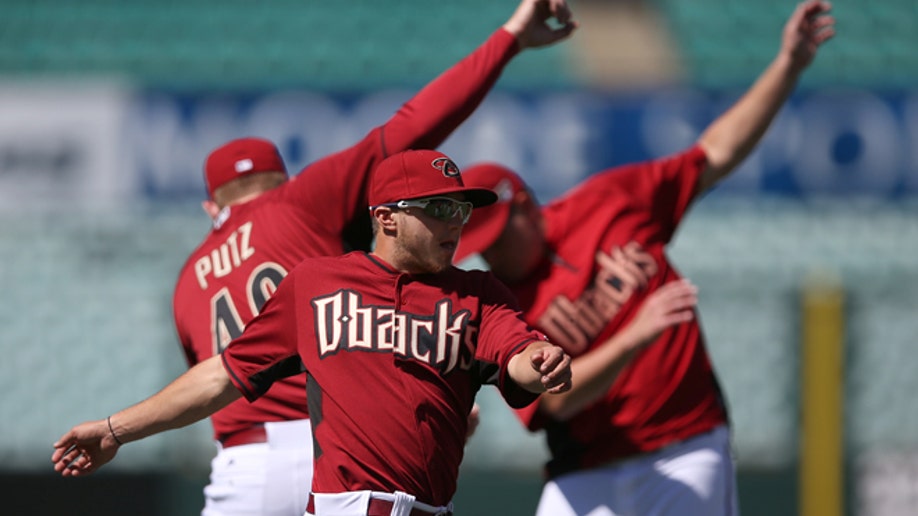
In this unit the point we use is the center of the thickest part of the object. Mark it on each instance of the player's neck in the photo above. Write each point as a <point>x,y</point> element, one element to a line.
<point>401,262</point>
<point>244,198</point>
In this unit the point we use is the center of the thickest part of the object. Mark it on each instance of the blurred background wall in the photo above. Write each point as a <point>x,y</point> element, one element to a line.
<point>108,109</point>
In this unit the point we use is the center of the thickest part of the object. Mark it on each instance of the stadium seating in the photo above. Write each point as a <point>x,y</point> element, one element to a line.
<point>238,44</point>
<point>727,42</point>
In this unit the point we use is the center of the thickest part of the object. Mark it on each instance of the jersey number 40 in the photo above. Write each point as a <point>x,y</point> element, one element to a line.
<point>227,323</point>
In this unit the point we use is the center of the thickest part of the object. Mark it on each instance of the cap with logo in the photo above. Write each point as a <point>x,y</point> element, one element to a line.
<point>486,224</point>
<point>415,174</point>
<point>243,156</point>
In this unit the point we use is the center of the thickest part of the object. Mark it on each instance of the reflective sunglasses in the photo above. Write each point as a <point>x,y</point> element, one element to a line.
<point>440,208</point>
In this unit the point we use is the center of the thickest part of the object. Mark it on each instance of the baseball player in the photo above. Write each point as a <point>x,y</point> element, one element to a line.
<point>395,345</point>
<point>645,429</point>
<point>265,223</point>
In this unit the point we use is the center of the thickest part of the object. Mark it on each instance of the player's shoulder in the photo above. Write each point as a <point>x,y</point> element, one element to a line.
<point>472,281</point>
<point>315,265</point>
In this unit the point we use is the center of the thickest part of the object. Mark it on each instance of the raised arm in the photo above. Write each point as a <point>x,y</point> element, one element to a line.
<point>597,369</point>
<point>198,393</point>
<point>730,138</point>
<point>335,186</point>
<point>541,367</point>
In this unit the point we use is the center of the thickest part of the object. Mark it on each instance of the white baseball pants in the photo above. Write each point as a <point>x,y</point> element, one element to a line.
<point>263,479</point>
<point>695,477</point>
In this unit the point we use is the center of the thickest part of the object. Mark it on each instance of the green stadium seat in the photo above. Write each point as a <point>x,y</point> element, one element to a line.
<point>237,43</point>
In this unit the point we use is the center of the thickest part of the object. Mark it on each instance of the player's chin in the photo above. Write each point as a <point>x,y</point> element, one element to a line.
<point>448,250</point>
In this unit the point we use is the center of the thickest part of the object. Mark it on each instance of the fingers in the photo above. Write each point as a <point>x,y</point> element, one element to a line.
<point>671,304</point>
<point>65,452</point>
<point>560,10</point>
<point>558,382</point>
<point>555,367</point>
<point>813,18</point>
<point>61,447</point>
<point>65,440</point>
<point>79,452</point>
<point>815,7</point>
<point>681,299</point>
<point>473,420</point>
<point>823,29</point>
<point>562,32</point>
<point>71,461</point>
<point>678,294</point>
<point>529,23</point>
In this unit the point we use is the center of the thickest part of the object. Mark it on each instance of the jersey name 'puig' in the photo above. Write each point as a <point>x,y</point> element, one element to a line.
<point>443,340</point>
<point>231,253</point>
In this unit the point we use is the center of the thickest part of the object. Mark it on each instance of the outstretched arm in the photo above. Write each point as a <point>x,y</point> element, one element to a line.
<point>597,369</point>
<point>198,393</point>
<point>730,138</point>
<point>541,367</point>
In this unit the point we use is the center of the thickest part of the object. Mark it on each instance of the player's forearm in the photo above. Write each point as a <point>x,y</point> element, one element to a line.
<point>595,372</point>
<point>733,136</point>
<point>438,109</point>
<point>195,395</point>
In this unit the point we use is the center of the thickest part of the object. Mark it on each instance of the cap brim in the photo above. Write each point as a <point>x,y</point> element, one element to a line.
<point>479,197</point>
<point>485,225</point>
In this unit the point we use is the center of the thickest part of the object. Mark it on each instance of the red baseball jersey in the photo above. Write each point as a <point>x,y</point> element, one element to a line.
<point>393,363</point>
<point>252,246</point>
<point>608,238</point>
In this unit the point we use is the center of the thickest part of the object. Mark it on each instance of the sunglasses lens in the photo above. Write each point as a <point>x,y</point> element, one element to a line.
<point>447,209</point>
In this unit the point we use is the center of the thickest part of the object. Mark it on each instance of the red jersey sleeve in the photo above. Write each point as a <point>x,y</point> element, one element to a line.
<point>267,349</point>
<point>665,187</point>
<point>333,190</point>
<point>503,334</point>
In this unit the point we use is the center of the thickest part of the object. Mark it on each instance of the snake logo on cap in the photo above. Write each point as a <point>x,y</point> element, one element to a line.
<point>446,166</point>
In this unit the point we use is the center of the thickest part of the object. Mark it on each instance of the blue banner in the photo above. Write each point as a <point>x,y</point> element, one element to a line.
<point>822,143</point>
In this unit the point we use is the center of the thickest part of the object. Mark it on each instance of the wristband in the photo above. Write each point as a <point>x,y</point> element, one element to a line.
<point>112,430</point>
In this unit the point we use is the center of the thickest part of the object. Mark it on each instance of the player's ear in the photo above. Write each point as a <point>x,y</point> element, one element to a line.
<point>210,208</point>
<point>384,217</point>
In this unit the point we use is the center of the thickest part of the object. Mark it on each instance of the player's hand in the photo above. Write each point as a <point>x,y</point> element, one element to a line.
<point>474,419</point>
<point>530,22</point>
<point>555,367</point>
<point>809,26</point>
<point>671,304</point>
<point>84,449</point>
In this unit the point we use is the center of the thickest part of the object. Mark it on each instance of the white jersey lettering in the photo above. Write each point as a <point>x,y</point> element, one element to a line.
<point>328,323</point>
<point>443,339</point>
<point>227,256</point>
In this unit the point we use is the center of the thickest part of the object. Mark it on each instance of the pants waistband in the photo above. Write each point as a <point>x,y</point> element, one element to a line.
<point>381,504</point>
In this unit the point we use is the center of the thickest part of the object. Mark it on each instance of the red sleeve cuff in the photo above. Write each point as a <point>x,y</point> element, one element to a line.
<point>508,41</point>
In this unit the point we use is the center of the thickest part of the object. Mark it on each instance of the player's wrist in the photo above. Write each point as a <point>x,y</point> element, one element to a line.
<point>111,431</point>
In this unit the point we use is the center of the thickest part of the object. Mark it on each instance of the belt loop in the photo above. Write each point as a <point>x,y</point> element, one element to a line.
<point>403,504</point>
